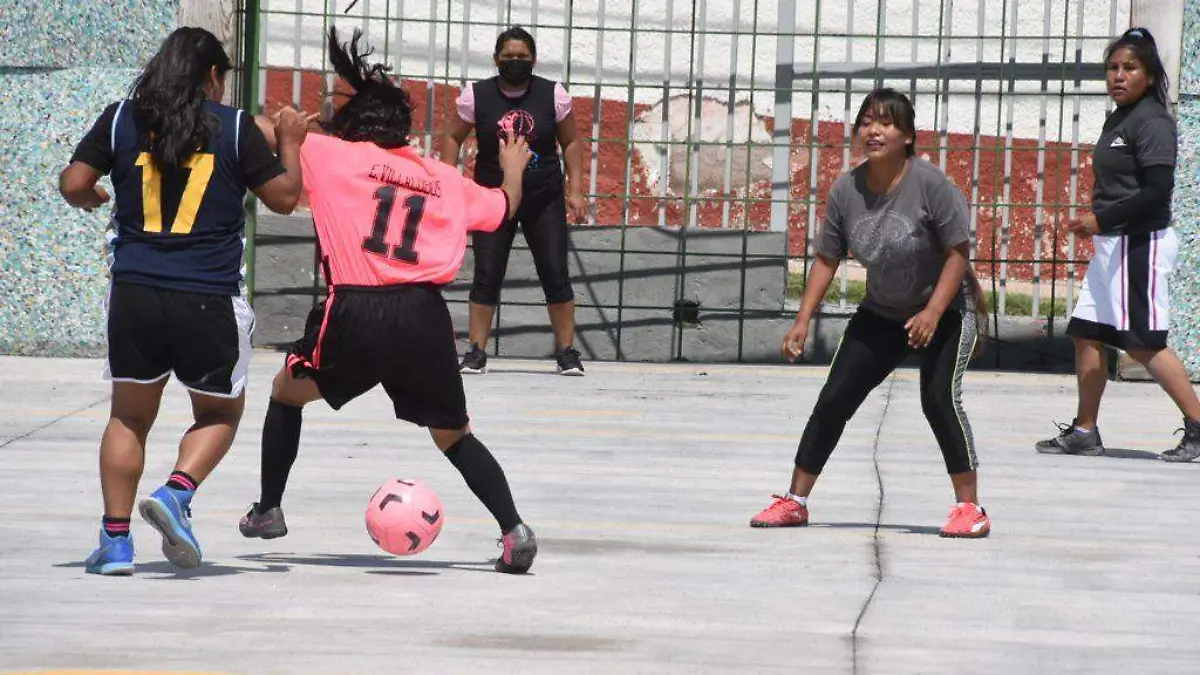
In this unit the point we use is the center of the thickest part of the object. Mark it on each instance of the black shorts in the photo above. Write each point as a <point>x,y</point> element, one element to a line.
<point>543,221</point>
<point>397,336</point>
<point>203,338</point>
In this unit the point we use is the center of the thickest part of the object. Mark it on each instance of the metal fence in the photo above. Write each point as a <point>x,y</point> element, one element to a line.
<point>732,114</point>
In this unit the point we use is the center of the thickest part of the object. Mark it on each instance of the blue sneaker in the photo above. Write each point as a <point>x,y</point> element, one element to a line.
<point>114,556</point>
<point>169,511</point>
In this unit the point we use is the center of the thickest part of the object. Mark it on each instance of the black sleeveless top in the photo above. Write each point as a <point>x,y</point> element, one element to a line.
<point>531,115</point>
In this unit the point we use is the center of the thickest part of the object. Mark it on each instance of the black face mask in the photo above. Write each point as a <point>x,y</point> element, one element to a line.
<point>516,71</point>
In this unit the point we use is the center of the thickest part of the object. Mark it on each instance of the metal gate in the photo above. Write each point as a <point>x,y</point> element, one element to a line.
<point>715,128</point>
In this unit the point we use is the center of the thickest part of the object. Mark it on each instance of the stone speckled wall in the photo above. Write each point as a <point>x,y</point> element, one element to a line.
<point>1185,299</point>
<point>59,66</point>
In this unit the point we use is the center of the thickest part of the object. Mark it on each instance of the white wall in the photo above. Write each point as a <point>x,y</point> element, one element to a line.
<point>1164,18</point>
<point>604,58</point>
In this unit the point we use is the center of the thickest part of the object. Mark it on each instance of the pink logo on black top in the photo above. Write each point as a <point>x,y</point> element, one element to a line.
<point>519,123</point>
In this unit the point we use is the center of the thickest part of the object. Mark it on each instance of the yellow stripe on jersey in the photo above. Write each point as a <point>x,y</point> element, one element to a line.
<point>201,165</point>
<point>151,189</point>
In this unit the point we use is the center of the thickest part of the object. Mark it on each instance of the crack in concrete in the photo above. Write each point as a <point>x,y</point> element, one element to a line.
<point>52,422</point>
<point>876,545</point>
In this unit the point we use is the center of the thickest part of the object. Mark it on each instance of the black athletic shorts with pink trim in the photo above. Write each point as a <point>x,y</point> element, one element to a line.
<point>398,336</point>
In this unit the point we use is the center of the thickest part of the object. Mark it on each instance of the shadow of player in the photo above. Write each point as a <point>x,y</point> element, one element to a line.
<point>373,564</point>
<point>1125,453</point>
<point>1114,453</point>
<point>926,530</point>
<point>165,570</point>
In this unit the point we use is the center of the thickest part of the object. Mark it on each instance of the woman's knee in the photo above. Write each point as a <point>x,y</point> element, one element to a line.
<point>937,399</point>
<point>485,287</point>
<point>213,410</point>
<point>136,405</point>
<point>834,406</point>
<point>289,390</point>
<point>1144,356</point>
<point>484,293</point>
<point>445,439</point>
<point>559,291</point>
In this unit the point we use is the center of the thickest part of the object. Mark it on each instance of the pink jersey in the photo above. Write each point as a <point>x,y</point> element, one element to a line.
<point>388,217</point>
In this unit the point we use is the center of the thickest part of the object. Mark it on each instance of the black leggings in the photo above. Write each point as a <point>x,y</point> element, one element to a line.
<point>543,220</point>
<point>870,350</point>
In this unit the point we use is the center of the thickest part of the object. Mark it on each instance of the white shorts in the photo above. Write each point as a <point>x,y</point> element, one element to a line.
<point>1124,301</point>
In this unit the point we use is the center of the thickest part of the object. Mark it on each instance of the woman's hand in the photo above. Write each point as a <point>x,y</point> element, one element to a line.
<point>1085,227</point>
<point>793,341</point>
<point>291,125</point>
<point>101,198</point>
<point>577,210</point>
<point>922,327</point>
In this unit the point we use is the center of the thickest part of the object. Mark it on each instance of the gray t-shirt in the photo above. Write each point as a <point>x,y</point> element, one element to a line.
<point>1135,137</point>
<point>900,237</point>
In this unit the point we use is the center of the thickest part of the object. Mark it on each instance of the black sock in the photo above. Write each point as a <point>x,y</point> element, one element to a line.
<point>485,478</point>
<point>280,445</point>
<point>115,527</point>
<point>181,481</point>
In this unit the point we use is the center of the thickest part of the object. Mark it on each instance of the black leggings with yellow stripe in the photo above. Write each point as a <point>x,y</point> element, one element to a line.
<point>871,348</point>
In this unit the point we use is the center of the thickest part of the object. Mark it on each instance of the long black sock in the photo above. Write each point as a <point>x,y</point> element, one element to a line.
<point>485,478</point>
<point>280,444</point>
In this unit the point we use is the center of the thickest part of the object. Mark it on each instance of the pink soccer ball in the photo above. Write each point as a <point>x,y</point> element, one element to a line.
<point>404,516</point>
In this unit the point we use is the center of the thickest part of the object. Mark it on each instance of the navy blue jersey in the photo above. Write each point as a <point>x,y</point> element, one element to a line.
<point>180,228</point>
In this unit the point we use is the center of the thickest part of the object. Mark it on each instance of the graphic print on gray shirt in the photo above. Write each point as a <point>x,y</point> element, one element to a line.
<point>901,238</point>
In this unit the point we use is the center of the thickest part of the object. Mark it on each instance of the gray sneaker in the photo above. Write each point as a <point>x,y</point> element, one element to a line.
<point>1072,440</point>
<point>1189,448</point>
<point>266,525</point>
<point>520,548</point>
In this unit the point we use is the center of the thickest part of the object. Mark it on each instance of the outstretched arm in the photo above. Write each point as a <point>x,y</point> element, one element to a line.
<point>285,134</point>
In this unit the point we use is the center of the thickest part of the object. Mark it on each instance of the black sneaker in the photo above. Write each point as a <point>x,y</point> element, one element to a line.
<point>1189,448</point>
<point>474,362</point>
<point>1072,440</point>
<point>520,548</point>
<point>569,363</point>
<point>268,524</point>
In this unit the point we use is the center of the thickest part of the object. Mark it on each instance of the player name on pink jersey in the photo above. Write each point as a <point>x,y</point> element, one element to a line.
<point>386,173</point>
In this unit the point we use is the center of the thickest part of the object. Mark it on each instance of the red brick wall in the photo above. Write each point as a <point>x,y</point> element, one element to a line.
<point>643,205</point>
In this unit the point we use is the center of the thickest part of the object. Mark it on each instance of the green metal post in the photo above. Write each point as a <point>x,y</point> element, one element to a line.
<point>249,94</point>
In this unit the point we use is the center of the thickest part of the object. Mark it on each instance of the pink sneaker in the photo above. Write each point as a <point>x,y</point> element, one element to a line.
<point>783,512</point>
<point>967,521</point>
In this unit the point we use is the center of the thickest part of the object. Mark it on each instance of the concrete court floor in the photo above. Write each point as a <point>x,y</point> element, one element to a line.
<point>639,480</point>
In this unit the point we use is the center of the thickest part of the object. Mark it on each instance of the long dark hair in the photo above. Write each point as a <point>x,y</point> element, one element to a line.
<point>1145,49</point>
<point>515,33</point>
<point>378,111</point>
<point>889,103</point>
<point>168,97</point>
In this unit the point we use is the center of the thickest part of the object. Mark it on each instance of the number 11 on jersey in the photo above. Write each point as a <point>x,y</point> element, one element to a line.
<point>414,205</point>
